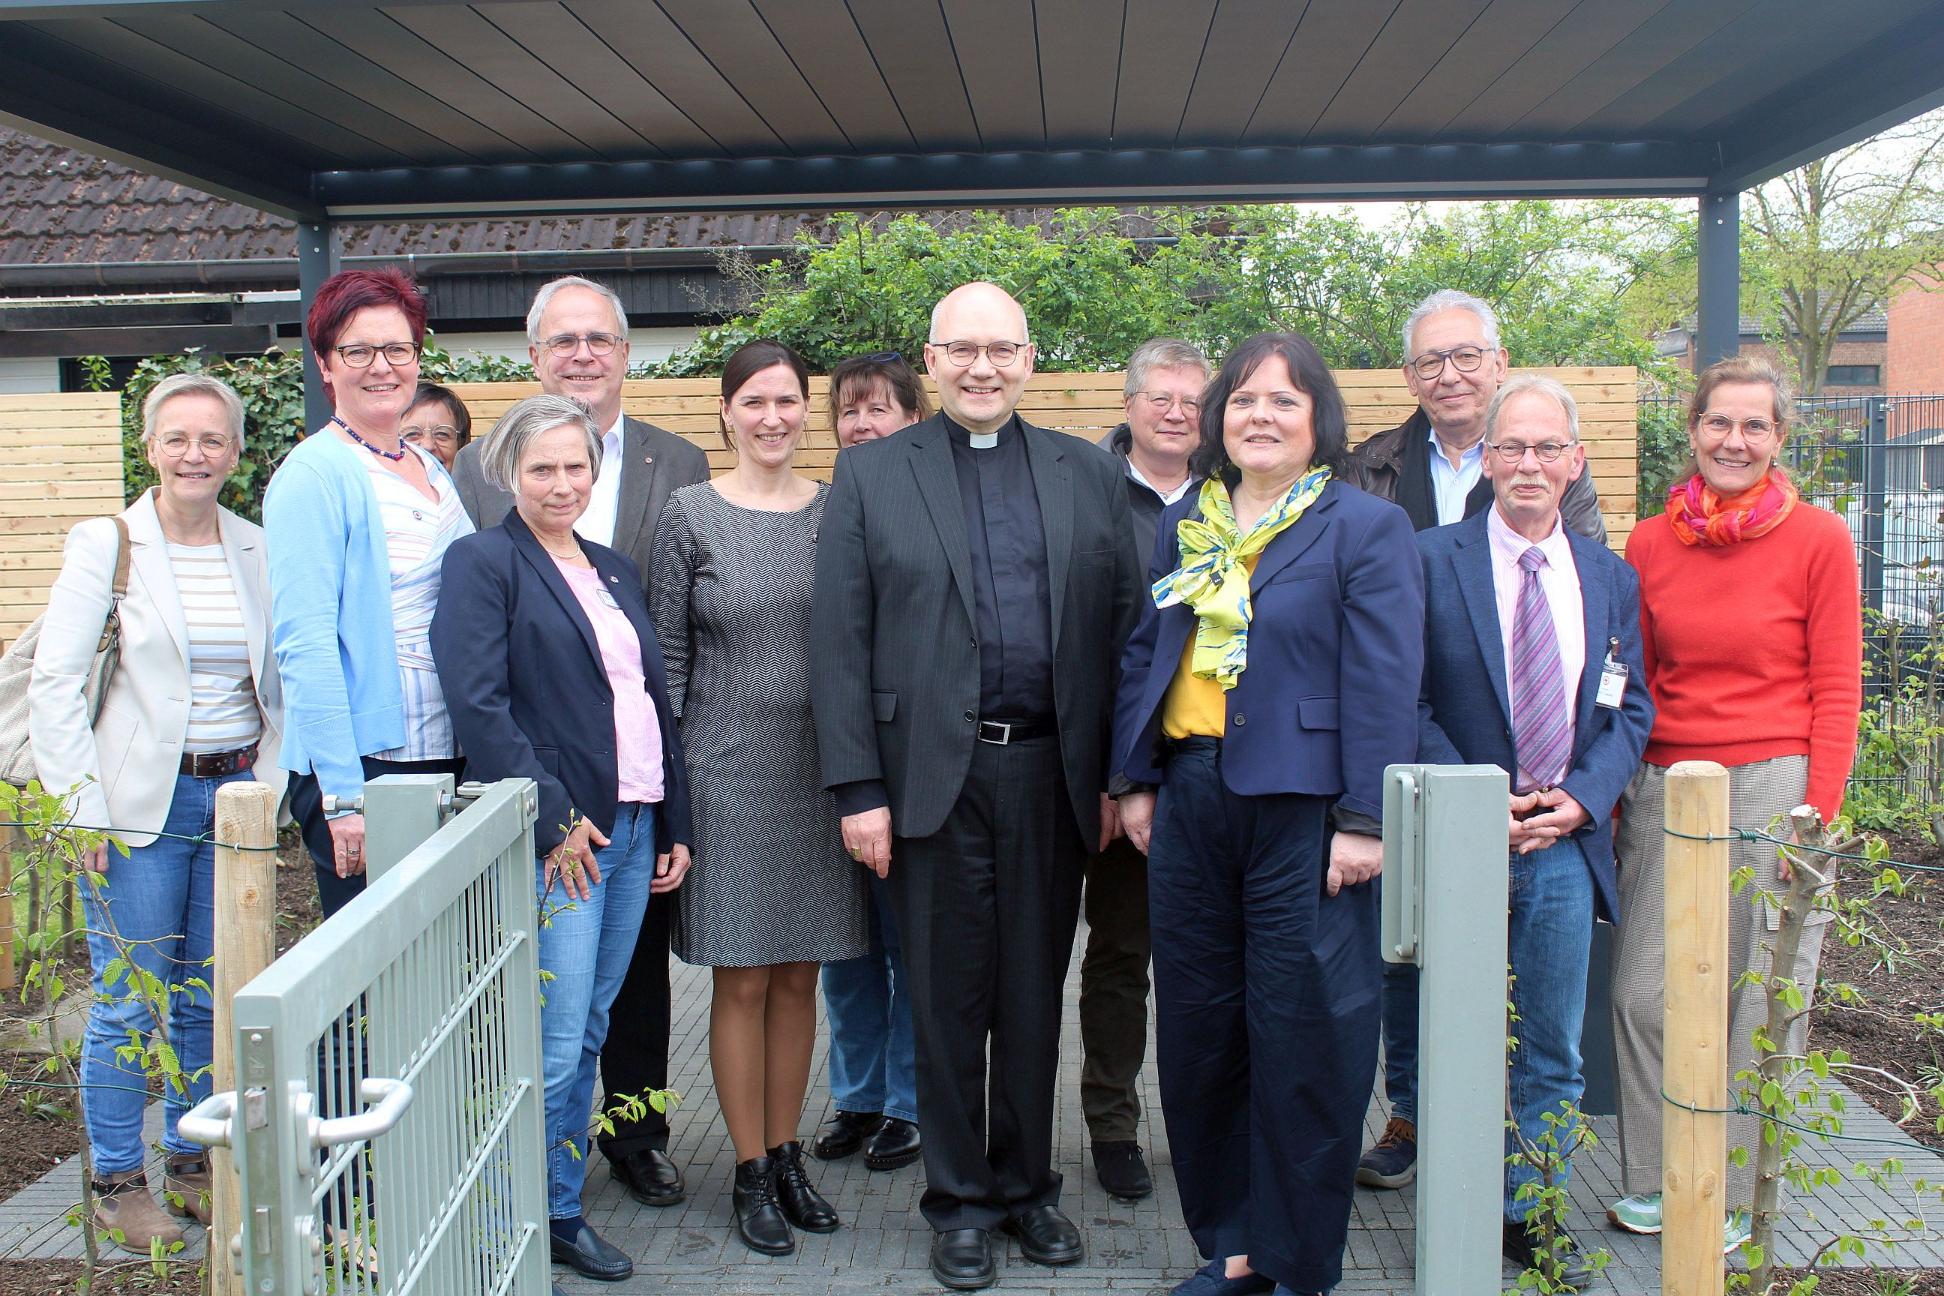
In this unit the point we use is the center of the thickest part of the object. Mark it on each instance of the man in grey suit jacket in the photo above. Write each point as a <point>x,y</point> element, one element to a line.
<point>577,334</point>
<point>976,578</point>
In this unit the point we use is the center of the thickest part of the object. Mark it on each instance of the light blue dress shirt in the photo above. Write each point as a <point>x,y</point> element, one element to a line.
<point>1450,486</point>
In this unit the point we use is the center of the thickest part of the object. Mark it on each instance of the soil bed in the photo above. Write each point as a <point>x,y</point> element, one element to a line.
<point>125,1276</point>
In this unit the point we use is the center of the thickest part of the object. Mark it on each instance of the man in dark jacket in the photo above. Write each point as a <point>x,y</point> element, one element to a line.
<point>1433,466</point>
<point>1165,378</point>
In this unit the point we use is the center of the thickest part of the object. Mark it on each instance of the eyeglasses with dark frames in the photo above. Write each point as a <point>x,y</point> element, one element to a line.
<point>1465,359</point>
<point>1514,452</point>
<point>359,355</point>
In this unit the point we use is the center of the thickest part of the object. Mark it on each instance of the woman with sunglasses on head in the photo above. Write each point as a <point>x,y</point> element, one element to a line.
<point>358,521</point>
<point>1751,621</point>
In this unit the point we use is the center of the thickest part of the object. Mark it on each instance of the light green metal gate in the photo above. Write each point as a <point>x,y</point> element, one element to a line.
<point>387,1122</point>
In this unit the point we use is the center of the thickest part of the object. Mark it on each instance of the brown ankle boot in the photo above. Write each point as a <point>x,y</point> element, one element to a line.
<point>125,1209</point>
<point>185,1186</point>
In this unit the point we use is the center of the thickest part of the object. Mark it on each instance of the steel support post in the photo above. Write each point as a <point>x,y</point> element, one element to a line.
<point>1445,878</point>
<point>1718,265</point>
<point>401,813</point>
<point>317,260</point>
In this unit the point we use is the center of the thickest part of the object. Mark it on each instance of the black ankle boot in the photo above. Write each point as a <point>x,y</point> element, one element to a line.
<point>805,1207</point>
<point>759,1220</point>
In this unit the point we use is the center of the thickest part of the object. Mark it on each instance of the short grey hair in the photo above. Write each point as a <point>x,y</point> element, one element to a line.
<point>1531,385</point>
<point>544,298</point>
<point>506,445</point>
<point>1451,299</point>
<point>1162,353</point>
<point>193,384</point>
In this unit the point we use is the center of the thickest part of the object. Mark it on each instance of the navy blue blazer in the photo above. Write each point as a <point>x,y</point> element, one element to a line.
<point>1464,717</point>
<point>1337,625</point>
<point>525,686</point>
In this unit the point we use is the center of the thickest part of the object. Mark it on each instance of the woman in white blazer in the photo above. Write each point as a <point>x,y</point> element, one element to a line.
<point>194,704</point>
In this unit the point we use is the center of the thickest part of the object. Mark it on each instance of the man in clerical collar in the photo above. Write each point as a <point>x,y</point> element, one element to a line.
<point>976,579</point>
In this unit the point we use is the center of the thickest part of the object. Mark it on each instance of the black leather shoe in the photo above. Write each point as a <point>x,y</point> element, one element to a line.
<point>1521,1247</point>
<point>896,1144</point>
<point>589,1254</point>
<point>844,1133</point>
<point>962,1259</point>
<point>650,1177</point>
<point>802,1204</point>
<point>1046,1236</point>
<point>1123,1170</point>
<point>759,1217</point>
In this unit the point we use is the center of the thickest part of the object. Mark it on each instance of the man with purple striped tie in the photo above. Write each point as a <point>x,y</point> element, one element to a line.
<point>1533,663</point>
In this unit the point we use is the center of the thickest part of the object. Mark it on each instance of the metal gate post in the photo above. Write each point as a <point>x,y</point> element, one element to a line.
<point>401,812</point>
<point>1444,898</point>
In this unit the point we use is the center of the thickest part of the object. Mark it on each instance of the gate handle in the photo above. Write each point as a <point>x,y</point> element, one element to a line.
<point>208,1122</point>
<point>391,1097</point>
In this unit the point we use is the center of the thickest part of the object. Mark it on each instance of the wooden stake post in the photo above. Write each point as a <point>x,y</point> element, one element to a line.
<point>246,914</point>
<point>1694,1056</point>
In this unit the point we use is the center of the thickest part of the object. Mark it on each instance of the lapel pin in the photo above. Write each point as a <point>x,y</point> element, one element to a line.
<point>647,459</point>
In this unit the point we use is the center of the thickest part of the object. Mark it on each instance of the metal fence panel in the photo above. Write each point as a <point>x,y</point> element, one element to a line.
<point>423,991</point>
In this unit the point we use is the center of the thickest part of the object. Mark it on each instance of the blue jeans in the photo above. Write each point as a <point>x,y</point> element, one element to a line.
<point>1550,920</point>
<point>585,945</point>
<point>1401,1039</point>
<point>872,1064</point>
<point>160,903</point>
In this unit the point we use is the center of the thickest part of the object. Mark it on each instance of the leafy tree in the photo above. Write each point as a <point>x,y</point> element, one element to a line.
<point>1831,241</point>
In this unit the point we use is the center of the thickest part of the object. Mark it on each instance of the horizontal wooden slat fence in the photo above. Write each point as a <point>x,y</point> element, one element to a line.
<point>60,462</point>
<point>1090,404</point>
<point>61,458</point>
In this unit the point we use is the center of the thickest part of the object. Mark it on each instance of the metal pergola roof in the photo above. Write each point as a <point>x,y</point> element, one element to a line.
<point>329,110</point>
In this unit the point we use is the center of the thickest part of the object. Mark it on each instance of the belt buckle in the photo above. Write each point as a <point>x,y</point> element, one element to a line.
<point>1004,729</point>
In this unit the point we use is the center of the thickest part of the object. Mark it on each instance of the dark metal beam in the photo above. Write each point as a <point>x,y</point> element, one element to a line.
<point>317,260</point>
<point>42,318</point>
<point>1718,265</point>
<point>1200,175</point>
<point>44,11</point>
<point>1880,86</point>
<point>90,116</point>
<point>66,344</point>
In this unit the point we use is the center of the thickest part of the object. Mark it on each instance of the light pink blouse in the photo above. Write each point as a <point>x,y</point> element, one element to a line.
<point>637,733</point>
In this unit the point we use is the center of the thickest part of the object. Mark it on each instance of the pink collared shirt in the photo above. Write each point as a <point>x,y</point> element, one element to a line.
<point>1559,582</point>
<point>637,733</point>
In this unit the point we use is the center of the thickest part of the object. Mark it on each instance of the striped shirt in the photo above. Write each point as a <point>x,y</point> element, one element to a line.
<point>223,714</point>
<point>417,532</point>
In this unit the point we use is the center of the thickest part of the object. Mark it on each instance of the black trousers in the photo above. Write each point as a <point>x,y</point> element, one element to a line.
<point>635,1057</point>
<point>987,907</point>
<point>1114,992</point>
<point>1267,995</point>
<point>307,808</point>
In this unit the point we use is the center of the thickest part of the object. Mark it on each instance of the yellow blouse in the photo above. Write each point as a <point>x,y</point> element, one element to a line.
<point>1192,707</point>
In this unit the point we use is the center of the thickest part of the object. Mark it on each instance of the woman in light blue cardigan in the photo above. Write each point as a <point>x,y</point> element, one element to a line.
<point>358,522</point>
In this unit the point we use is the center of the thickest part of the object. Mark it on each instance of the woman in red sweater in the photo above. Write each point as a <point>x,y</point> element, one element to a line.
<point>1752,621</point>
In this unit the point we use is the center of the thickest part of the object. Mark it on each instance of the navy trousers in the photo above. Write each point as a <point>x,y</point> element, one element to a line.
<point>1267,994</point>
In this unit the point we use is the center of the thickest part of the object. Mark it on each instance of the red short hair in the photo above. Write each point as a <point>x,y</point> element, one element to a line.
<point>350,291</point>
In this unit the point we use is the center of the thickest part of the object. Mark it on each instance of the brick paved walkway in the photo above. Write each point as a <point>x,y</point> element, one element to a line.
<point>1141,1248</point>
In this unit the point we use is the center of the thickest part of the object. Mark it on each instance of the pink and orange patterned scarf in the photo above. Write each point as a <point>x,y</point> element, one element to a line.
<point>1699,516</point>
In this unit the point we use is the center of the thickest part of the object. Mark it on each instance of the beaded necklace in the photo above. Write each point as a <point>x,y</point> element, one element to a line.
<point>395,456</point>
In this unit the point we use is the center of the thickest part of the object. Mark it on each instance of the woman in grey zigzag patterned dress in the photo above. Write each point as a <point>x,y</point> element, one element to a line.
<point>772,894</point>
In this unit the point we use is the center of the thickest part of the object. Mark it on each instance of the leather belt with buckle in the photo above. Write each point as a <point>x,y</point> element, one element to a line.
<point>218,764</point>
<point>1001,732</point>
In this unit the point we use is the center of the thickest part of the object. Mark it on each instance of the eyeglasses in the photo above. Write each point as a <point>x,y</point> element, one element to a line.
<point>1162,402</point>
<point>1465,359</point>
<point>1756,430</point>
<point>885,357</point>
<point>963,354</point>
<point>444,433</point>
<point>359,355</point>
<point>1514,452</point>
<point>567,344</point>
<point>175,445</point>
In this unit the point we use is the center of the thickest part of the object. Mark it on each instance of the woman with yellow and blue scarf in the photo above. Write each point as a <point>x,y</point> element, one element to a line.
<point>1271,681</point>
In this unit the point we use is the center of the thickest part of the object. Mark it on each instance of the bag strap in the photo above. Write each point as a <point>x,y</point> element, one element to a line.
<point>123,546</point>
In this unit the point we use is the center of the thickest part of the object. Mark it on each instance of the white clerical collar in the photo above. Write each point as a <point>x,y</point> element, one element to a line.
<point>982,440</point>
